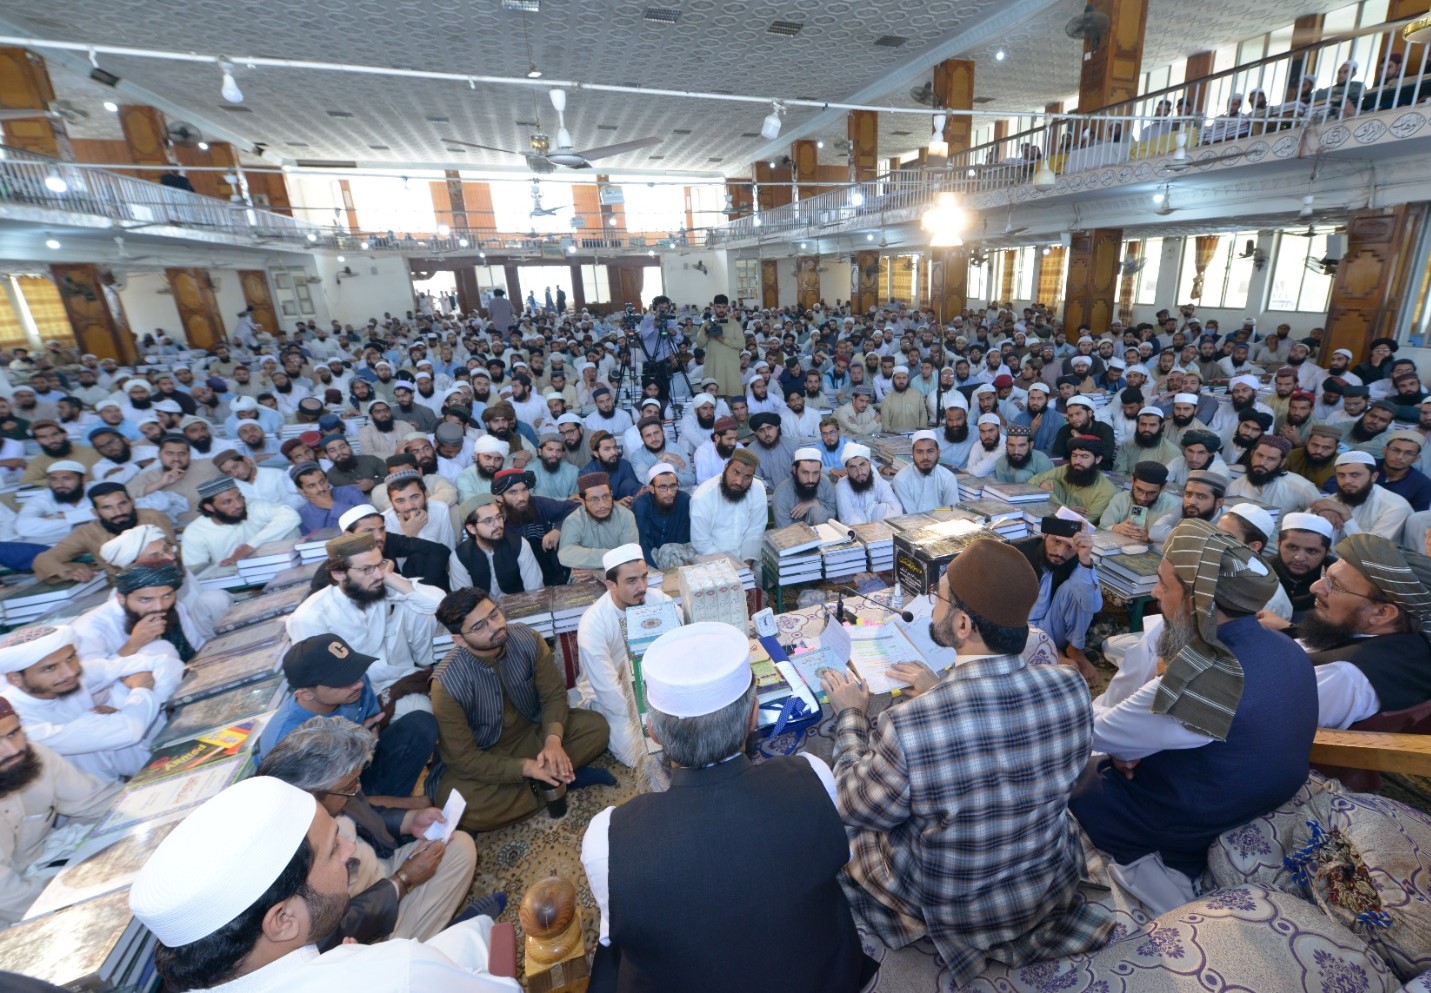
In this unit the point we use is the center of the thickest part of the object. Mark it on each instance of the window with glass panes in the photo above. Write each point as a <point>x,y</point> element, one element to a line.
<point>1227,278</point>
<point>1295,285</point>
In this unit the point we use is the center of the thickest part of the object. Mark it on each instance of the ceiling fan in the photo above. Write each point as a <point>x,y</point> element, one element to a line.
<point>544,158</point>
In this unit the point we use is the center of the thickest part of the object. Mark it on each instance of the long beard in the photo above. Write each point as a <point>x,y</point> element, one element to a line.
<point>120,524</point>
<point>1355,499</point>
<point>516,518</point>
<point>989,446</point>
<point>284,389</point>
<point>1148,440</point>
<point>1320,633</point>
<point>1192,512</point>
<point>553,464</point>
<point>706,421</point>
<point>725,451</point>
<point>1296,362</point>
<point>1183,421</point>
<point>71,497</point>
<point>58,451</point>
<point>1081,477</point>
<point>862,486</point>
<point>1360,433</point>
<point>171,619</point>
<point>223,518</point>
<point>483,472</point>
<point>1297,420</point>
<point>347,464</point>
<point>1317,461</point>
<point>21,774</point>
<point>804,492</point>
<point>202,445</point>
<point>1019,461</point>
<point>956,436</point>
<point>732,496</point>
<point>144,404</point>
<point>361,596</point>
<point>1177,633</point>
<point>1261,477</point>
<point>385,426</point>
<point>1240,405</point>
<point>610,466</point>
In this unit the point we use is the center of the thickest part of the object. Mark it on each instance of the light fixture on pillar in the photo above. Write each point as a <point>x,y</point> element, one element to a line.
<point>857,198</point>
<point>462,243</point>
<point>443,230</point>
<point>1043,178</point>
<point>342,258</point>
<point>944,221</point>
<point>229,88</point>
<point>870,236</point>
<point>481,255</point>
<point>937,145</point>
<point>1164,201</point>
<point>770,129</point>
<point>1000,55</point>
<point>1418,32</point>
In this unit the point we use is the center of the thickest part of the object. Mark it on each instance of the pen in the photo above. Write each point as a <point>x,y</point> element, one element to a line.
<point>850,666</point>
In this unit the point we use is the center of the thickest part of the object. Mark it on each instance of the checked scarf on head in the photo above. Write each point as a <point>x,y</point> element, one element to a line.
<point>1203,683</point>
<point>1402,577</point>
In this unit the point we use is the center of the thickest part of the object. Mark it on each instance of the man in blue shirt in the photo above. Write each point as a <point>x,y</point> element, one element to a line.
<point>328,678</point>
<point>663,513</point>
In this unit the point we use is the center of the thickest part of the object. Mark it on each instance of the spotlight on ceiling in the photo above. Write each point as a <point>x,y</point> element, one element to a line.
<point>481,255</point>
<point>52,243</point>
<point>533,72</point>
<point>1000,55</point>
<point>56,184</point>
<point>770,129</point>
<point>203,146</point>
<point>111,106</point>
<point>103,76</point>
<point>819,144</point>
<point>229,88</point>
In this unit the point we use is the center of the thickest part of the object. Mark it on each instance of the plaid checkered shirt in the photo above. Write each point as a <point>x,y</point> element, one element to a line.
<point>957,807</point>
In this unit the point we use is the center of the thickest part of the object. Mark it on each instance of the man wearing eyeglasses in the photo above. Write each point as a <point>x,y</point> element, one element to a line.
<point>504,724</point>
<point>329,678</point>
<point>491,557</point>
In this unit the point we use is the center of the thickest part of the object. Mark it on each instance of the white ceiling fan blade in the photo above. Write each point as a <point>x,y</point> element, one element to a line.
<point>626,146</point>
<point>558,99</point>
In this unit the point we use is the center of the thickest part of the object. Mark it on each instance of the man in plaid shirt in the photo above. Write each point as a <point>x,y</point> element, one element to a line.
<point>957,802</point>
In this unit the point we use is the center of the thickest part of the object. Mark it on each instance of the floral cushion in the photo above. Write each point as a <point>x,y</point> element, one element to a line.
<point>1243,938</point>
<point>1254,853</point>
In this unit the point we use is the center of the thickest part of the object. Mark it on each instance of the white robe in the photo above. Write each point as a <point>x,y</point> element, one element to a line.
<point>398,631</point>
<point>101,632</point>
<point>875,504</point>
<point>717,525</point>
<point>605,683</point>
<point>983,462</point>
<point>1290,492</point>
<point>271,485</point>
<point>438,527</point>
<point>1383,513</point>
<point>206,541</point>
<point>106,746</point>
<point>919,493</point>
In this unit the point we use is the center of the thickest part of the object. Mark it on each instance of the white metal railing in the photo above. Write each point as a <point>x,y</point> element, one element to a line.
<point>36,180</point>
<point>1288,92</point>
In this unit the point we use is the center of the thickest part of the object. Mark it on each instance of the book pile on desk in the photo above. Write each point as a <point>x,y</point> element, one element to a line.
<point>971,487</point>
<point>792,554</point>
<point>220,577</point>
<point>841,556</point>
<point>96,945</point>
<point>533,609</point>
<point>264,607</point>
<point>713,591</point>
<point>1107,543</point>
<point>234,659</point>
<point>569,602</point>
<point>878,539</point>
<point>267,561</point>
<point>313,548</point>
<point>920,557</point>
<point>1129,576</point>
<point>298,575</point>
<point>1014,493</point>
<point>1000,517</point>
<point>28,601</point>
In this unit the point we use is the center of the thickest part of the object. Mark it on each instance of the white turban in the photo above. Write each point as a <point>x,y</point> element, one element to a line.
<point>220,859</point>
<point>620,555</point>
<point>121,552</point>
<point>488,445</point>
<point>1251,382</point>
<point>659,469</point>
<point>27,646</point>
<point>697,669</point>
<point>1189,398</point>
<point>807,454</point>
<point>353,515</point>
<point>854,451</point>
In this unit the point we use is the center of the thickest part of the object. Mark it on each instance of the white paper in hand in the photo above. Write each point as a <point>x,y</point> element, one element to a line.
<point>454,809</point>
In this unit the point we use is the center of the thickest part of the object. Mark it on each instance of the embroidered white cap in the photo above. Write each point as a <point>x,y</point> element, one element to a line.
<point>620,555</point>
<point>697,669</point>
<point>354,514</point>
<point>1308,522</point>
<point>1254,515</point>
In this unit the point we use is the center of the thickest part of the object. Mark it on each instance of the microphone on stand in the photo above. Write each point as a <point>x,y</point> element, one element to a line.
<point>842,615</point>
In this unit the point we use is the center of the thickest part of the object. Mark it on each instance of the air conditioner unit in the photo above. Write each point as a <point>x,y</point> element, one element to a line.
<point>1336,246</point>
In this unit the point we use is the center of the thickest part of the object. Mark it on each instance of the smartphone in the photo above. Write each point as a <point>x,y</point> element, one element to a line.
<point>1139,517</point>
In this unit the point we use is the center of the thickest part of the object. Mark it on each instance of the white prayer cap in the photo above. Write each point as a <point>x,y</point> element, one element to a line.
<point>121,551</point>
<point>983,388</point>
<point>353,515</point>
<point>807,454</point>
<point>1344,351</point>
<point>762,364</point>
<point>990,419</point>
<point>919,436</point>
<point>243,403</point>
<point>1356,458</point>
<point>1308,522</point>
<point>703,400</point>
<point>900,368</point>
<point>620,555</point>
<point>1086,338</point>
<point>955,398</point>
<point>697,669</point>
<point>1080,400</point>
<point>488,445</point>
<point>1152,412</point>
<point>108,402</point>
<point>421,375</point>
<point>661,468</point>
<point>136,383</point>
<point>854,451</point>
<point>27,646</point>
<point>414,436</point>
<point>1081,360</point>
<point>1136,367</point>
<point>1185,398</point>
<point>1040,387</point>
<point>568,419</point>
<point>554,395</point>
<point>185,892</point>
<point>456,391</point>
<point>1116,363</point>
<point>67,465</point>
<point>1251,382</point>
<point>373,403</point>
<point>650,402</point>
<point>1254,515</point>
<point>169,407</point>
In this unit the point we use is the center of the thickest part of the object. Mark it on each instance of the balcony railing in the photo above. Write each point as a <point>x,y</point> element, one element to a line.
<point>1273,96</point>
<point>38,181</point>
<point>489,240</point>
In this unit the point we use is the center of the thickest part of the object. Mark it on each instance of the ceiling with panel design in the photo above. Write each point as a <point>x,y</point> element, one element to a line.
<point>835,50</point>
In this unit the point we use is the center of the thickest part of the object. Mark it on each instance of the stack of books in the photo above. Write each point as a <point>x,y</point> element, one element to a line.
<point>1003,518</point>
<point>532,609</point>
<point>222,709</point>
<point>220,577</point>
<point>569,602</point>
<point>971,487</point>
<point>893,449</point>
<point>267,561</point>
<point>841,556</point>
<point>263,607</point>
<point>1129,576</point>
<point>921,556</point>
<point>313,548</point>
<point>26,602</point>
<point>231,660</point>
<point>97,944</point>
<point>1014,493</point>
<point>298,575</point>
<point>1107,543</point>
<point>878,539</point>
<point>910,522</point>
<point>792,553</point>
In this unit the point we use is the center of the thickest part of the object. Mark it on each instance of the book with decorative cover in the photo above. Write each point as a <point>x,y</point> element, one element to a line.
<point>270,553</point>
<point>910,522</point>
<point>873,532</point>
<point>234,670</point>
<point>1014,492</point>
<point>261,608</point>
<point>298,575</point>
<point>153,800</point>
<point>992,510</point>
<point>207,748</point>
<point>221,709</point>
<point>79,946</point>
<point>242,640</point>
<point>572,600</point>
<point>794,539</point>
<point>529,608</point>
<point>103,864</point>
<point>1138,567</point>
<point>34,593</point>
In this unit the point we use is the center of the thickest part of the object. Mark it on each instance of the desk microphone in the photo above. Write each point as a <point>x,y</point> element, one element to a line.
<point>842,616</point>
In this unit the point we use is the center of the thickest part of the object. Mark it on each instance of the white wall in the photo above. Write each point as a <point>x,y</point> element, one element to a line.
<point>381,283</point>
<point>147,308</point>
<point>684,283</point>
<point>835,280</point>
<point>229,296</point>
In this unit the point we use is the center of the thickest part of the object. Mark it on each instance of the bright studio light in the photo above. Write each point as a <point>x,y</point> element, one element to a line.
<point>944,222</point>
<point>1000,55</point>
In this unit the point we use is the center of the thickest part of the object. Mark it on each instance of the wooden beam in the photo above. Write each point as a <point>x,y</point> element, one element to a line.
<point>1383,752</point>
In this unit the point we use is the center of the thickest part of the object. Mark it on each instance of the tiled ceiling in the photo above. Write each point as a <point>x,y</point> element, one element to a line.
<point>827,51</point>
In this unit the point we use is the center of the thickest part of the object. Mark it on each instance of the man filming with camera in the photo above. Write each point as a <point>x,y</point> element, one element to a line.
<point>659,338</point>
<point>723,337</point>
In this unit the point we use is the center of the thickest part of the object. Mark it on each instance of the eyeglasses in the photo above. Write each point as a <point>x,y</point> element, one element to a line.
<point>1336,587</point>
<point>352,791</point>
<point>494,519</point>
<point>485,622</point>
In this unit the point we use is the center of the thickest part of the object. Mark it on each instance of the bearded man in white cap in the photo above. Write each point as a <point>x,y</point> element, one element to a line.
<point>806,496</point>
<point>489,455</point>
<point>1359,505</point>
<point>240,893</point>
<point>97,713</point>
<point>669,922</point>
<point>605,684</point>
<point>903,408</point>
<point>925,484</point>
<point>728,511</point>
<point>985,453</point>
<point>37,787</point>
<point>149,545</point>
<point>863,495</point>
<point>53,512</point>
<point>1253,526</point>
<point>1304,552</point>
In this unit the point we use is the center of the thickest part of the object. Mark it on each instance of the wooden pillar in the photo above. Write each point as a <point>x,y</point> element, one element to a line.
<point>198,307</point>
<point>25,85</point>
<point>1397,10</point>
<point>469,294</point>
<point>862,128</point>
<point>96,315</point>
<point>350,211</point>
<point>807,281</point>
<point>770,283</point>
<point>1001,130</point>
<point>578,288</point>
<point>613,215</point>
<point>949,283</point>
<point>1127,287</point>
<point>864,281</point>
<point>1093,271</point>
<point>893,163</point>
<point>1371,277</point>
<point>806,168</point>
<point>1053,107</point>
<point>269,190</point>
<point>586,208</point>
<point>626,282</point>
<point>146,134</point>
<point>1113,67</point>
<point>954,90</point>
<point>254,283</point>
<point>1199,67</point>
<point>458,200</point>
<point>514,285</point>
<point>1307,30</point>
<point>764,185</point>
<point>739,192</point>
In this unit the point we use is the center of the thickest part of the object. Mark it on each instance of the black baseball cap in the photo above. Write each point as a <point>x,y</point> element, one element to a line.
<point>324,660</point>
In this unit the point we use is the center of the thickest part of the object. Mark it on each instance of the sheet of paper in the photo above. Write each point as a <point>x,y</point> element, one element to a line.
<point>836,637</point>
<point>452,811</point>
